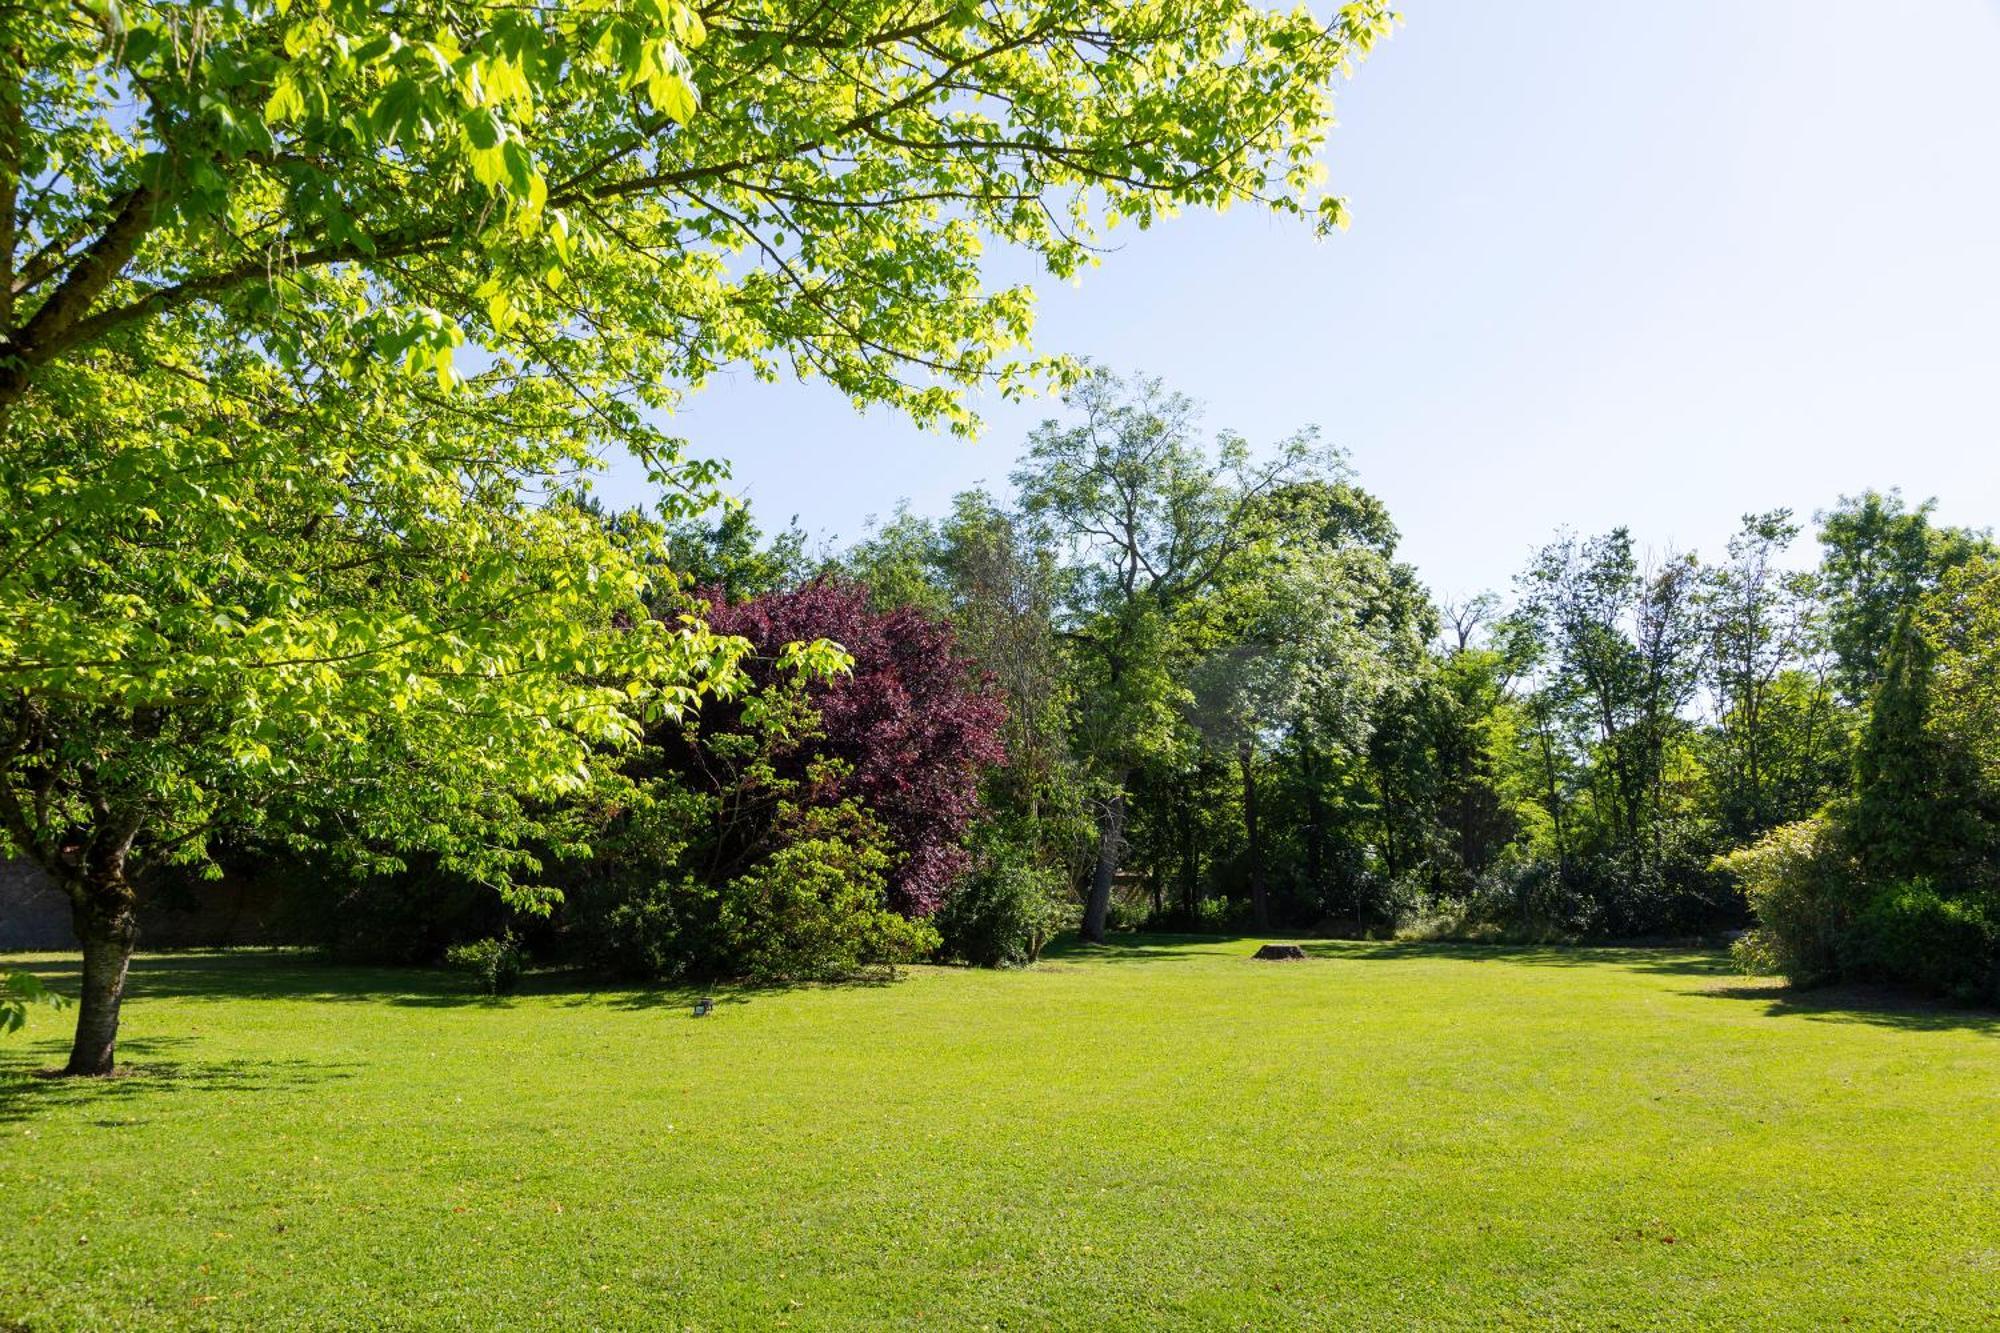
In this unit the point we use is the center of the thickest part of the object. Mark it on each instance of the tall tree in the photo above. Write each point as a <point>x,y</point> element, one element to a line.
<point>1624,645</point>
<point>1283,632</point>
<point>1312,626</point>
<point>1004,588</point>
<point>294,298</point>
<point>1436,759</point>
<point>1963,618</point>
<point>386,625</point>
<point>1777,736</point>
<point>1916,811</point>
<point>1879,557</point>
<point>1157,523</point>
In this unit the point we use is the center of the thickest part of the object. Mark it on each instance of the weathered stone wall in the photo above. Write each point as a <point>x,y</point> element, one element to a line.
<point>34,914</point>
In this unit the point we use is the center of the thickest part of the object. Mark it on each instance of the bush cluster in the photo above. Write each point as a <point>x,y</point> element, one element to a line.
<point>816,907</point>
<point>493,964</point>
<point>1003,913</point>
<point>1900,881</point>
<point>1821,919</point>
<point>806,830</point>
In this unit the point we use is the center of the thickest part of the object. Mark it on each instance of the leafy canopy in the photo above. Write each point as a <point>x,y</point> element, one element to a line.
<point>628,196</point>
<point>351,606</point>
<point>312,316</point>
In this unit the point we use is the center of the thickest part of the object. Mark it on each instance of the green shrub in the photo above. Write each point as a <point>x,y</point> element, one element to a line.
<point>649,929</point>
<point>1406,898</point>
<point>1522,904</point>
<point>736,852</point>
<point>1127,914</point>
<point>818,910</point>
<point>1800,881</point>
<point>814,906</point>
<point>493,964</point>
<point>1464,919</point>
<point>1912,933</point>
<point>1003,913</point>
<point>1221,916</point>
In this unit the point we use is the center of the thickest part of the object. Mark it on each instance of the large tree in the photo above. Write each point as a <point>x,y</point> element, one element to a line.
<point>625,195</point>
<point>1304,631</point>
<point>1880,556</point>
<point>1158,521</point>
<point>382,626</point>
<point>305,310</point>
<point>1624,647</point>
<point>912,723</point>
<point>1777,744</point>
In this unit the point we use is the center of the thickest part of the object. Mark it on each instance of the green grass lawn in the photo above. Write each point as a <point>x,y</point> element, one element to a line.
<point>1161,1133</point>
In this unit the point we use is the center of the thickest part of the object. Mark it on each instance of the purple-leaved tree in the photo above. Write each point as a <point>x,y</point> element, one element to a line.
<point>915,722</point>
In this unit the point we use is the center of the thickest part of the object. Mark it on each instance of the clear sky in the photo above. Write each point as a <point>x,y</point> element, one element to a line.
<point>1650,264</point>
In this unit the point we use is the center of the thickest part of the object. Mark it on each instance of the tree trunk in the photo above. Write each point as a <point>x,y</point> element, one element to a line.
<point>1260,898</point>
<point>1190,857</point>
<point>108,930</point>
<point>1315,822</point>
<point>1110,845</point>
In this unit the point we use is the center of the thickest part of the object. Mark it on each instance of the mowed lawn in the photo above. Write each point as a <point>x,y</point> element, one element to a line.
<point>1159,1134</point>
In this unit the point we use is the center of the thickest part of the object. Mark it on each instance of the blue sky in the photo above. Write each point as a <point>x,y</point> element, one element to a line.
<point>1650,264</point>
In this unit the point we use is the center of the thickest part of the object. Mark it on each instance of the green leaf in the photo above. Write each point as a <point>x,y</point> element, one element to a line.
<point>285,103</point>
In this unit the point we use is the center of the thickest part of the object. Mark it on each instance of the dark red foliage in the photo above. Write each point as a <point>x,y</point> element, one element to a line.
<point>914,721</point>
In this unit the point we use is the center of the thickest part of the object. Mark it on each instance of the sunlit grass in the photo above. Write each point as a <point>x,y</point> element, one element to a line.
<point>1159,1133</point>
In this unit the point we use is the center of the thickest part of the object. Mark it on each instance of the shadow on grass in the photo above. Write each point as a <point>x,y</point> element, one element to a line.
<point>1678,960</point>
<point>145,1069</point>
<point>297,974</point>
<point>1884,1006</point>
<point>1669,960</point>
<point>278,974</point>
<point>1162,948</point>
<point>681,995</point>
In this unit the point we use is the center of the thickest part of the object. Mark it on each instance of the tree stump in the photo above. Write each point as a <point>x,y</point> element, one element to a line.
<point>1281,953</point>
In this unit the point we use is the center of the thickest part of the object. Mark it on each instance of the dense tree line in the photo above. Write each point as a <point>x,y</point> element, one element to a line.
<point>1229,704</point>
<point>1180,680</point>
<point>314,318</point>
<point>314,322</point>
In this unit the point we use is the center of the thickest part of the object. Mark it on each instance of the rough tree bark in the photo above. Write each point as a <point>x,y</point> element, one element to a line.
<point>1190,856</point>
<point>1110,845</point>
<point>1260,896</point>
<point>108,929</point>
<point>104,905</point>
<point>93,865</point>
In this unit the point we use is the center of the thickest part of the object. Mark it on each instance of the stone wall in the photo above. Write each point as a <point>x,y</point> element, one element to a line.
<point>34,914</point>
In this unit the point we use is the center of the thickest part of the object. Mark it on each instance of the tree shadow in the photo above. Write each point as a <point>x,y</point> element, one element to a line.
<point>277,974</point>
<point>302,975</point>
<point>30,1088</point>
<point>1661,959</point>
<point>687,995</point>
<point>1676,959</point>
<point>1883,1006</point>
<point>1146,948</point>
